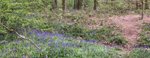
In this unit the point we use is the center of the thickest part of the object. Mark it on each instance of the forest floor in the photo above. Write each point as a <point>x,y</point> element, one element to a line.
<point>130,26</point>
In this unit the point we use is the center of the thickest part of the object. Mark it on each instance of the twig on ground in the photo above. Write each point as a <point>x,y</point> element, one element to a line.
<point>4,41</point>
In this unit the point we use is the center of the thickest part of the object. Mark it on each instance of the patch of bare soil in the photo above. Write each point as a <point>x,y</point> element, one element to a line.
<point>130,27</point>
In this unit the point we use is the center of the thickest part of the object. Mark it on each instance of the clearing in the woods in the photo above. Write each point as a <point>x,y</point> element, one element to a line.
<point>130,27</point>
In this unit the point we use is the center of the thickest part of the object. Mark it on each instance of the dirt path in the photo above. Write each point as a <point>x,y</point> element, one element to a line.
<point>130,27</point>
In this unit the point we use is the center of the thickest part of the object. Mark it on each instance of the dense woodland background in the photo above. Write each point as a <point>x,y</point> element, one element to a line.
<point>68,28</point>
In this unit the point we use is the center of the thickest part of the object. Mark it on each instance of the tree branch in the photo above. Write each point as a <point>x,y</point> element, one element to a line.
<point>21,36</point>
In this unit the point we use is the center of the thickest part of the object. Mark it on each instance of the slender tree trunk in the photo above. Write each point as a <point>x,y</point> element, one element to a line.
<point>95,5</point>
<point>78,4</point>
<point>137,3</point>
<point>64,5</point>
<point>142,13</point>
<point>146,4</point>
<point>112,2</point>
<point>54,4</point>
<point>75,4</point>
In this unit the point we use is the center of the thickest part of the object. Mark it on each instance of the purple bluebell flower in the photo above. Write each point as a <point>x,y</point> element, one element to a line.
<point>60,41</point>
<point>69,45</point>
<point>88,41</point>
<point>146,46</point>
<point>142,46</point>
<point>44,35</point>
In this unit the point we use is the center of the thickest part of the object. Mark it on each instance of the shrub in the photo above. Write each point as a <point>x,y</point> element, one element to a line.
<point>74,30</point>
<point>104,33</point>
<point>146,27</point>
<point>145,35</point>
<point>144,39</point>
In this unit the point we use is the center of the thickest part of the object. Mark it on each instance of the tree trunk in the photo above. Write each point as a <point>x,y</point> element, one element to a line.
<point>78,4</point>
<point>54,4</point>
<point>64,4</point>
<point>112,2</point>
<point>95,5</point>
<point>146,4</point>
<point>142,13</point>
<point>139,4</point>
<point>75,4</point>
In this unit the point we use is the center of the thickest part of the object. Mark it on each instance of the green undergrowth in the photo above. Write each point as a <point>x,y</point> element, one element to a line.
<point>139,53</point>
<point>145,35</point>
<point>19,15</point>
<point>105,33</point>
<point>23,48</point>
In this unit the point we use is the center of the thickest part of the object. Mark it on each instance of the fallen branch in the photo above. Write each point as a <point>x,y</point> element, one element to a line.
<point>1,42</point>
<point>21,36</point>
